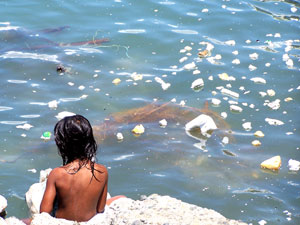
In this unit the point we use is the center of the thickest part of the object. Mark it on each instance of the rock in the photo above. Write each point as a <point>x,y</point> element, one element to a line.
<point>138,129</point>
<point>204,122</point>
<point>273,163</point>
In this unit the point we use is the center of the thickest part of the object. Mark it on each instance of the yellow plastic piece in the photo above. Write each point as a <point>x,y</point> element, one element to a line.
<point>139,129</point>
<point>116,81</point>
<point>273,163</point>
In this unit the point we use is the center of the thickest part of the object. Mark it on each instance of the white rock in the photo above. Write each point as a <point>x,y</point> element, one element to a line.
<point>197,84</point>
<point>247,126</point>
<point>25,126</point>
<point>258,80</point>
<point>235,108</point>
<point>3,203</point>
<point>52,104</point>
<point>163,123</point>
<point>189,66</point>
<point>64,114</point>
<point>293,165</point>
<point>274,122</point>
<point>216,101</point>
<point>120,136</point>
<point>230,93</point>
<point>204,122</point>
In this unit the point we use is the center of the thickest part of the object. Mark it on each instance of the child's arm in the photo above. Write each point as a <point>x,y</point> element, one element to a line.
<point>103,196</point>
<point>50,193</point>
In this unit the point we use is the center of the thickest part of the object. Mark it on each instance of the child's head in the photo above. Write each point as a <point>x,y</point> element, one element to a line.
<point>74,139</point>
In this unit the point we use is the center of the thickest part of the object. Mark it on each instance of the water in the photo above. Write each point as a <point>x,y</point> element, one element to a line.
<point>146,37</point>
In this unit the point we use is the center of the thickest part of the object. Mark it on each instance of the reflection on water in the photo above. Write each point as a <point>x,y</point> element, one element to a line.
<point>153,48</point>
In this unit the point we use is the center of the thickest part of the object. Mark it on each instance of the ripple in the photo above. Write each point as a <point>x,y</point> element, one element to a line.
<point>123,157</point>
<point>132,31</point>
<point>30,116</point>
<point>27,55</point>
<point>5,108</point>
<point>17,81</point>
<point>13,122</point>
<point>185,31</point>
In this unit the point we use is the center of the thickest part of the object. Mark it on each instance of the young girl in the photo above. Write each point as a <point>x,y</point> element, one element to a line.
<point>80,184</point>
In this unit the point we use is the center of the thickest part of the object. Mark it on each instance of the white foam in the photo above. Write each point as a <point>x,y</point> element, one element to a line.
<point>13,122</point>
<point>123,157</point>
<point>27,55</point>
<point>9,28</point>
<point>5,108</point>
<point>17,81</point>
<point>132,31</point>
<point>30,116</point>
<point>69,99</point>
<point>185,31</point>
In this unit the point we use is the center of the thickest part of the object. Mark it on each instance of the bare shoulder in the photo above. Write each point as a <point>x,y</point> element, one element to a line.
<point>56,172</point>
<point>100,168</point>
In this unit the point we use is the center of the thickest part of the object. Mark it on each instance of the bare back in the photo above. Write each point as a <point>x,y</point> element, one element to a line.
<point>80,196</point>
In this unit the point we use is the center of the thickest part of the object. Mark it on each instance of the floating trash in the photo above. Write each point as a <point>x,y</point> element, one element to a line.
<point>252,68</point>
<point>46,136</point>
<point>120,136</point>
<point>25,126</point>
<point>274,122</point>
<point>216,102</point>
<point>226,77</point>
<point>189,66</point>
<point>259,134</point>
<point>225,140</point>
<point>53,104</point>
<point>163,84</point>
<point>253,56</point>
<point>229,153</point>
<point>230,93</point>
<point>274,105</point>
<point>63,114</point>
<point>235,108</point>
<point>247,126</point>
<point>203,53</point>
<point>293,165</point>
<point>256,143</point>
<point>116,81</point>
<point>204,122</point>
<point>198,84</point>
<point>273,163</point>
<point>271,92</point>
<point>258,80</point>
<point>230,43</point>
<point>138,129</point>
<point>163,123</point>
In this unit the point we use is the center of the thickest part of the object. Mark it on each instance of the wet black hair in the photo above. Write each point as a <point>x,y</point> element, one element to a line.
<point>75,140</point>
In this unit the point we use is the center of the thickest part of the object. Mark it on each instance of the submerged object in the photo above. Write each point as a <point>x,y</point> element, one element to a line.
<point>203,122</point>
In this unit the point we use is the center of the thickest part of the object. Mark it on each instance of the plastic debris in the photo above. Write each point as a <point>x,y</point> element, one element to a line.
<point>120,136</point>
<point>247,126</point>
<point>163,84</point>
<point>63,114</point>
<point>236,61</point>
<point>226,77</point>
<point>274,122</point>
<point>256,143</point>
<point>25,126</point>
<point>189,66</point>
<point>3,203</point>
<point>262,222</point>
<point>183,59</point>
<point>235,108</point>
<point>288,99</point>
<point>258,80</point>
<point>188,48</point>
<point>197,84</point>
<point>259,134</point>
<point>228,92</point>
<point>273,163</point>
<point>32,170</point>
<point>204,122</point>
<point>225,140</point>
<point>136,76</point>
<point>274,105</point>
<point>224,115</point>
<point>81,87</point>
<point>116,81</point>
<point>46,136</point>
<point>262,94</point>
<point>253,56</point>
<point>230,42</point>
<point>163,123</point>
<point>53,104</point>
<point>252,68</point>
<point>293,165</point>
<point>138,129</point>
<point>203,53</point>
<point>271,92</point>
<point>293,9</point>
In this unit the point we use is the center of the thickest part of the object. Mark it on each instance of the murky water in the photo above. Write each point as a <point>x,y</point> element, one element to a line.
<point>149,38</point>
